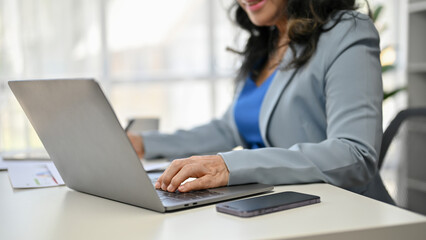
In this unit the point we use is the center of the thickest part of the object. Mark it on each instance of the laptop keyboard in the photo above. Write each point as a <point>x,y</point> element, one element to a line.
<point>188,196</point>
<point>184,197</point>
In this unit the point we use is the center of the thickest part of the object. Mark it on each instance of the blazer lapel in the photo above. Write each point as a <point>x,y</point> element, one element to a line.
<point>276,89</point>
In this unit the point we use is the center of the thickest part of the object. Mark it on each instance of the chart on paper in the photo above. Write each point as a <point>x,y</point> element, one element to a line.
<point>34,176</point>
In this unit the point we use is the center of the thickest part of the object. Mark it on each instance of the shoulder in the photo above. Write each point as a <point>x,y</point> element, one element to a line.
<point>346,30</point>
<point>348,27</point>
<point>350,21</point>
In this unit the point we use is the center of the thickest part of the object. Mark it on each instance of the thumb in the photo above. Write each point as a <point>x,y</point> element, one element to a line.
<point>197,184</point>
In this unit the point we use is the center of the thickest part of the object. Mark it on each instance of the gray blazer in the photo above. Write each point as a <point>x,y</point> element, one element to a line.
<point>320,123</point>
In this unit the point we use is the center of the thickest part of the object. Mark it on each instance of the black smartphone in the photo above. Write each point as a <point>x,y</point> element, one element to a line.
<point>267,204</point>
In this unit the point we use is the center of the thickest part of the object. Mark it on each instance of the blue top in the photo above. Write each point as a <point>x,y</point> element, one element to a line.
<point>247,110</point>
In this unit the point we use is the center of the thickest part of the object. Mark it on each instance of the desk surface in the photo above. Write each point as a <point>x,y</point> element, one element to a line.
<point>61,213</point>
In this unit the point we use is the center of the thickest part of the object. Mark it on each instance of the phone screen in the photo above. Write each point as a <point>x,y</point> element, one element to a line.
<point>267,204</point>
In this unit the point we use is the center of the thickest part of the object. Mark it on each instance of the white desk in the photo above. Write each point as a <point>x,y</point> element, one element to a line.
<point>61,213</point>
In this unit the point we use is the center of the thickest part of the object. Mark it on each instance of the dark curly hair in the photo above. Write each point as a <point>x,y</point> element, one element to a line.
<point>306,20</point>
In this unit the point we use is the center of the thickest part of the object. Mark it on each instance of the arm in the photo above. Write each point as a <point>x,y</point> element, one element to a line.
<point>218,135</point>
<point>353,94</point>
<point>346,158</point>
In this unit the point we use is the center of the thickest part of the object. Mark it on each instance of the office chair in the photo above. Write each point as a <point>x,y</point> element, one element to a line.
<point>393,127</point>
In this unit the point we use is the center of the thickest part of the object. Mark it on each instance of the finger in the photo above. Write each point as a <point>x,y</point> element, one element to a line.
<point>157,184</point>
<point>170,172</point>
<point>198,184</point>
<point>187,171</point>
<point>163,181</point>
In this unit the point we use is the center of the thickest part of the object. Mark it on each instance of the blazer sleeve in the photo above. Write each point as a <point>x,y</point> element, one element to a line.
<point>216,136</point>
<point>353,101</point>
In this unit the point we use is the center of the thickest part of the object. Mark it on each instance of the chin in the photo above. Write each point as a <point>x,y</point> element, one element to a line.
<point>261,22</point>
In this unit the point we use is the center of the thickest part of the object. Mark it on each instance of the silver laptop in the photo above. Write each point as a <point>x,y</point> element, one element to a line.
<point>91,151</point>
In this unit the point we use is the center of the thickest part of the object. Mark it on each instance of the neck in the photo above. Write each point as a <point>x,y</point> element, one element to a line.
<point>282,29</point>
<point>282,43</point>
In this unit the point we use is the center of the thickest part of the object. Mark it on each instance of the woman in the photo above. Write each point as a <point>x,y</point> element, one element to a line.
<point>307,106</point>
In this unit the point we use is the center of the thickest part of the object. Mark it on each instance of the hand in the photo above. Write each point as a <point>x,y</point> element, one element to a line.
<point>137,143</point>
<point>209,171</point>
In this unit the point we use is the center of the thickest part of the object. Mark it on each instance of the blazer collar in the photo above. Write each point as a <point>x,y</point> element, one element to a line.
<point>274,93</point>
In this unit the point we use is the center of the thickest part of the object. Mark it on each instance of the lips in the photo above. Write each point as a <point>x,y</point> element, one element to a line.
<point>254,5</point>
